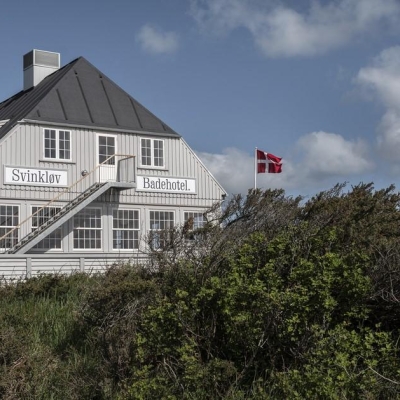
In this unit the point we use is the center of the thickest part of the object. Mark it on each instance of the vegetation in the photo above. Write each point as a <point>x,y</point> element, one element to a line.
<point>283,299</point>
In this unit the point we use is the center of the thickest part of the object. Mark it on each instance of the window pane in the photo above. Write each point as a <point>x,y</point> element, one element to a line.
<point>9,218</point>
<point>152,152</point>
<point>106,149</point>
<point>159,221</point>
<point>125,229</point>
<point>158,153</point>
<point>194,221</point>
<point>50,144</point>
<point>87,229</point>
<point>146,151</point>
<point>64,145</point>
<point>57,144</point>
<point>42,215</point>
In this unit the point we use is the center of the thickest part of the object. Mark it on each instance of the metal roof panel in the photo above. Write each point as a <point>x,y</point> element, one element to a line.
<point>79,93</point>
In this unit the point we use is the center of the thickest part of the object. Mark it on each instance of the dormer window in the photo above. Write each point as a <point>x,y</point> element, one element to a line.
<point>152,153</point>
<point>57,144</point>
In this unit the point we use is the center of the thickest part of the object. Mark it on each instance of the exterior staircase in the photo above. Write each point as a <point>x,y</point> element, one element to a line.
<point>67,212</point>
<point>96,185</point>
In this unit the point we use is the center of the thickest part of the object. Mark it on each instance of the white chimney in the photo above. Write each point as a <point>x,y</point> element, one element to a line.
<point>37,65</point>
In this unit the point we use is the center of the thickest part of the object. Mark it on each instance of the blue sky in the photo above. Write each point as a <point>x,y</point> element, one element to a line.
<point>315,82</point>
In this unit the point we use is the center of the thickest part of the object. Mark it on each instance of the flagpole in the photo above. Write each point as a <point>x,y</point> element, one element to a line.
<point>255,169</point>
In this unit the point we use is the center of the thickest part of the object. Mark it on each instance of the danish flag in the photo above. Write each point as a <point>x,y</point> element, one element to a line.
<point>274,163</point>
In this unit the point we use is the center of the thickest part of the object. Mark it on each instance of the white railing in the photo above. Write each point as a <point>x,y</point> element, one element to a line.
<point>117,168</point>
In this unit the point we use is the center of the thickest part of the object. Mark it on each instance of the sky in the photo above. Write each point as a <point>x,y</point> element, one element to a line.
<point>314,82</point>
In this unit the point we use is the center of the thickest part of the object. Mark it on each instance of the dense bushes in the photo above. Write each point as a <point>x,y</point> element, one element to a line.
<point>287,300</point>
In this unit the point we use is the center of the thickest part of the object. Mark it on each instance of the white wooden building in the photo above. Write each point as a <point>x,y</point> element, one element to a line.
<point>88,172</point>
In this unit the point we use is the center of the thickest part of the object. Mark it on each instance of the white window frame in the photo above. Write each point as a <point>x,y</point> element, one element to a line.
<point>57,149</point>
<point>154,230</point>
<point>152,153</point>
<point>196,214</point>
<point>97,229</point>
<point>51,236</point>
<point>196,224</point>
<point>112,161</point>
<point>10,227</point>
<point>135,230</point>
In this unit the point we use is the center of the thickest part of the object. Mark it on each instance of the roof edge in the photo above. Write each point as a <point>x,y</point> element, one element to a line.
<point>98,128</point>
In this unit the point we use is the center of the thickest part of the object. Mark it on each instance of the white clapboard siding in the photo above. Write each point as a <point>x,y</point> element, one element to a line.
<point>23,147</point>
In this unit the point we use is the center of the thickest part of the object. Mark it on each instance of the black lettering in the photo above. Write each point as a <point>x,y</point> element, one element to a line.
<point>41,174</point>
<point>15,173</point>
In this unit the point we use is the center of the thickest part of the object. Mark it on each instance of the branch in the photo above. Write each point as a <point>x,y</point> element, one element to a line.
<point>383,377</point>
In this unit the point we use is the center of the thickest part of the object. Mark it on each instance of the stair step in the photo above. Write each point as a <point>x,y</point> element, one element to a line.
<point>70,206</point>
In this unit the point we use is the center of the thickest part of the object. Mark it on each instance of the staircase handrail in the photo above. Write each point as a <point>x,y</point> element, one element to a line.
<point>65,191</point>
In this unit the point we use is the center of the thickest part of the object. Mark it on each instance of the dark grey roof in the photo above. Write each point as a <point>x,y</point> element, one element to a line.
<point>79,94</point>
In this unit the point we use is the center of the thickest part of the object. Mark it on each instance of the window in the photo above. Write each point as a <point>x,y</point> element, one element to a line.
<point>9,219</point>
<point>106,149</point>
<point>125,229</point>
<point>152,152</point>
<point>57,144</point>
<point>160,222</point>
<point>194,221</point>
<point>52,241</point>
<point>87,229</point>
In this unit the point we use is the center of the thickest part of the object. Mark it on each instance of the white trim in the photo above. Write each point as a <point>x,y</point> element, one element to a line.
<point>163,209</point>
<point>134,230</point>
<point>98,144</point>
<point>3,122</point>
<point>57,158</point>
<point>31,172</point>
<point>193,212</point>
<point>101,229</point>
<point>110,168</point>
<point>173,211</point>
<point>152,166</point>
<point>12,227</point>
<point>188,185</point>
<point>48,249</point>
<point>99,128</point>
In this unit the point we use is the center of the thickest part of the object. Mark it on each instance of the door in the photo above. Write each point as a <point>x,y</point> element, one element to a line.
<point>106,147</point>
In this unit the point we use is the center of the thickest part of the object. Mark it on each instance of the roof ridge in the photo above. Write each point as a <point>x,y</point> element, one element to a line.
<point>80,94</point>
<point>164,125</point>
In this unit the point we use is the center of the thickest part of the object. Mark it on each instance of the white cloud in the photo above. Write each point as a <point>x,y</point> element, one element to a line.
<point>389,135</point>
<point>324,157</point>
<point>157,42</point>
<point>225,169</point>
<point>329,154</point>
<point>280,31</point>
<point>382,78</point>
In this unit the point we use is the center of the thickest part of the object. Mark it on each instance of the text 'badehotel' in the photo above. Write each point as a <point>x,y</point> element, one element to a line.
<point>172,185</point>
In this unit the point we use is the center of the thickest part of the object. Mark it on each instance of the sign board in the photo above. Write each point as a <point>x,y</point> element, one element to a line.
<point>35,177</point>
<point>165,185</point>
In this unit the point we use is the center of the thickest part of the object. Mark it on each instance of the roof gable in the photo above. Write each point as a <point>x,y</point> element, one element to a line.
<point>79,94</point>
